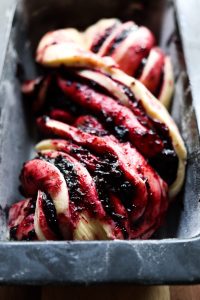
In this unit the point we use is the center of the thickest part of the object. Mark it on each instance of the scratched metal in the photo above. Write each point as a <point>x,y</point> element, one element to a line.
<point>172,256</point>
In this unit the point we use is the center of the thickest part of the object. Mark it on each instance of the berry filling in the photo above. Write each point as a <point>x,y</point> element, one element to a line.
<point>114,155</point>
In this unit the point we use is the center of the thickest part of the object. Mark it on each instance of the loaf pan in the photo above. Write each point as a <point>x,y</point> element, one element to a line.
<point>172,255</point>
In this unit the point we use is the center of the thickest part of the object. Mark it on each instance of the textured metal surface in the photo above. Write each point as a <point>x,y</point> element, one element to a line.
<point>148,262</point>
<point>189,28</point>
<point>162,260</point>
<point>7,10</point>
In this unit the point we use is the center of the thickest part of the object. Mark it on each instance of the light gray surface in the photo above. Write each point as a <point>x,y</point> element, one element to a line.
<point>189,20</point>
<point>7,9</point>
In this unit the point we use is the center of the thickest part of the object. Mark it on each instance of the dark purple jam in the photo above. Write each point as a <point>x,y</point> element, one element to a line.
<point>109,179</point>
<point>85,157</point>
<point>92,127</point>
<point>140,69</point>
<point>97,45</point>
<point>31,236</point>
<point>13,232</point>
<point>30,209</point>
<point>166,164</point>
<point>120,38</point>
<point>50,214</point>
<point>114,180</point>
<point>67,169</point>
<point>57,99</point>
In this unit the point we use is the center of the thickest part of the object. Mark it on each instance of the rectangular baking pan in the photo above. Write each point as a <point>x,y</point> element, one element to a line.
<point>172,255</point>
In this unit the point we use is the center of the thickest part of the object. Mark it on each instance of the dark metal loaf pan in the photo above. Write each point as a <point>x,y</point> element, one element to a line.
<point>172,256</point>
